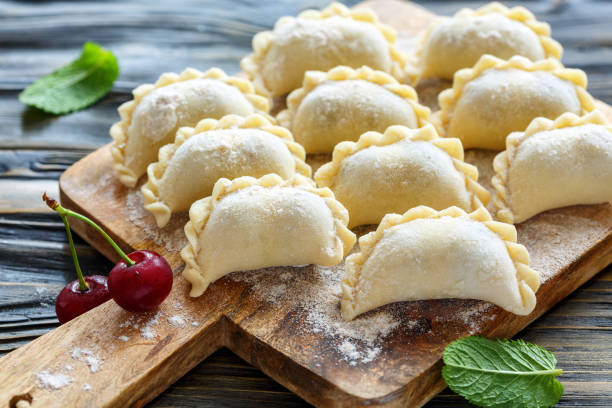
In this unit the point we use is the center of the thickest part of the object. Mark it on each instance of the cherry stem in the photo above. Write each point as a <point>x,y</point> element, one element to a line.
<point>63,212</point>
<point>83,286</point>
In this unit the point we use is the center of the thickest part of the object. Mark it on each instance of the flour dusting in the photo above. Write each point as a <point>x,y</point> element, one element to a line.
<point>557,238</point>
<point>147,331</point>
<point>88,357</point>
<point>315,290</point>
<point>172,236</point>
<point>176,321</point>
<point>53,381</point>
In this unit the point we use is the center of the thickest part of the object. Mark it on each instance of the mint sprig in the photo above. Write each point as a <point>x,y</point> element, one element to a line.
<point>76,85</point>
<point>502,373</point>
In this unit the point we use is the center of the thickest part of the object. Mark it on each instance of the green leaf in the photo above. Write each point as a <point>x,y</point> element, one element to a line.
<point>76,85</point>
<point>502,373</point>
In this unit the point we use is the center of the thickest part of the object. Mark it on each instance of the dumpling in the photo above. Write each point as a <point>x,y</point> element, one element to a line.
<point>231,147</point>
<point>152,118</point>
<point>497,97</point>
<point>320,40</point>
<point>251,223</point>
<point>554,164</point>
<point>399,170</point>
<point>344,103</point>
<point>458,42</point>
<point>425,254</point>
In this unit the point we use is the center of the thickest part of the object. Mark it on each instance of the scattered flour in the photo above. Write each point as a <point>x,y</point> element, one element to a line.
<point>145,324</point>
<point>351,352</point>
<point>147,330</point>
<point>88,357</point>
<point>316,291</point>
<point>195,324</point>
<point>148,333</point>
<point>472,316</point>
<point>172,236</point>
<point>176,321</point>
<point>130,322</point>
<point>53,381</point>
<point>557,238</point>
<point>86,387</point>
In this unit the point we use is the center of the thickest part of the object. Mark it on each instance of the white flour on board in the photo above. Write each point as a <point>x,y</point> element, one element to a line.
<point>53,381</point>
<point>172,236</point>
<point>88,357</point>
<point>176,320</point>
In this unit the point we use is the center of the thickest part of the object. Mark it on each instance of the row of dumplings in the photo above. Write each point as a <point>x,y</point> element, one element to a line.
<point>208,130</point>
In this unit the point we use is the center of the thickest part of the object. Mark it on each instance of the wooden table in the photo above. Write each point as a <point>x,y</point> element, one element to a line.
<point>149,38</point>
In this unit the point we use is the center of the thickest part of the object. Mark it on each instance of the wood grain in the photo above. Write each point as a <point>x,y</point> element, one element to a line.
<point>582,27</point>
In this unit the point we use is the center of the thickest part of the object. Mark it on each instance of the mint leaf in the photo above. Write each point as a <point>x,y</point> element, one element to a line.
<point>76,85</point>
<point>502,373</point>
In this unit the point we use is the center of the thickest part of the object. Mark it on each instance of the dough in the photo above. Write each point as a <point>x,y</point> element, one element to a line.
<point>152,118</point>
<point>398,170</point>
<point>344,103</point>
<point>321,40</point>
<point>425,254</point>
<point>231,147</point>
<point>554,164</point>
<point>251,223</point>
<point>497,97</point>
<point>451,44</point>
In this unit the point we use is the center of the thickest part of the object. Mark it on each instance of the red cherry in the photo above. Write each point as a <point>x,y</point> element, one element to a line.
<point>72,302</point>
<point>143,286</point>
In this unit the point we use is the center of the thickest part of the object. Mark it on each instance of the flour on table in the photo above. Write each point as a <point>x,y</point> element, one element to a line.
<point>86,387</point>
<point>147,330</point>
<point>88,357</point>
<point>472,316</point>
<point>172,236</point>
<point>316,291</point>
<point>144,323</point>
<point>557,238</point>
<point>176,321</point>
<point>355,354</point>
<point>53,381</point>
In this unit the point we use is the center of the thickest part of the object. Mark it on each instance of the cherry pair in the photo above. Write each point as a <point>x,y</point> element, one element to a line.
<point>138,283</point>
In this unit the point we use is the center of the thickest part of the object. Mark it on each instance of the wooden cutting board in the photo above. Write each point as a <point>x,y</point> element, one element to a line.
<point>283,320</point>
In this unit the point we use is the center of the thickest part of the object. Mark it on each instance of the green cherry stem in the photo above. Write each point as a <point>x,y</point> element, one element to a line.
<point>63,212</point>
<point>83,286</point>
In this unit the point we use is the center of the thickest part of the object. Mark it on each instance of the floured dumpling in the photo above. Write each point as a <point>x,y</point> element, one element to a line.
<point>554,164</point>
<point>344,103</point>
<point>231,147</point>
<point>152,118</point>
<point>251,223</point>
<point>320,40</point>
<point>398,170</point>
<point>425,254</point>
<point>497,97</point>
<point>458,42</point>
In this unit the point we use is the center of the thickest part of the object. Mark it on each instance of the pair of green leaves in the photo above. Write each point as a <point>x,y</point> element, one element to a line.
<point>76,85</point>
<point>502,373</point>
